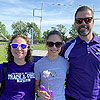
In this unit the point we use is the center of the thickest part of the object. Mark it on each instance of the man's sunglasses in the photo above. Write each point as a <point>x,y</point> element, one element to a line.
<point>80,20</point>
<point>15,45</point>
<point>57,44</point>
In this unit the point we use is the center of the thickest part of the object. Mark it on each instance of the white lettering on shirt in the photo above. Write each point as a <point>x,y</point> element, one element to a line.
<point>21,77</point>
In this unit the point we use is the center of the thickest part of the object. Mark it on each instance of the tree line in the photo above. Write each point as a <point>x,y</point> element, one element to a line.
<point>28,27</point>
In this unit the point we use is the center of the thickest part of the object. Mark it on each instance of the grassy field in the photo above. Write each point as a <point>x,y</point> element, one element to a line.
<point>39,47</point>
<point>3,47</point>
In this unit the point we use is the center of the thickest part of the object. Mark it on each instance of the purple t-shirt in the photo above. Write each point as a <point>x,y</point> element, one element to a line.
<point>19,82</point>
<point>83,82</point>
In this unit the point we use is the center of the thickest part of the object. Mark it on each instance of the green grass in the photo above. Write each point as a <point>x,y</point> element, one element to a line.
<point>3,47</point>
<point>39,47</point>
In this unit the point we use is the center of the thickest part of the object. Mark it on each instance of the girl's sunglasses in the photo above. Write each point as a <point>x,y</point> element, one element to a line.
<point>57,44</point>
<point>15,45</point>
<point>80,20</point>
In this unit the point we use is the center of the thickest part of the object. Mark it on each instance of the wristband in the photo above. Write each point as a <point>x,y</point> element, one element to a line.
<point>37,93</point>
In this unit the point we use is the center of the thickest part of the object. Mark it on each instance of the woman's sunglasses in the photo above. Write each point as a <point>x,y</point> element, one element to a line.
<point>15,45</point>
<point>80,20</point>
<point>57,44</point>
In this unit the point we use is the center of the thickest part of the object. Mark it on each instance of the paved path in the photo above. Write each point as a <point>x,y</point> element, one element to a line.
<point>39,53</point>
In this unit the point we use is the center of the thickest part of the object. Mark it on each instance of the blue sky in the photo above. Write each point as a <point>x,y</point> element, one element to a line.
<point>16,10</point>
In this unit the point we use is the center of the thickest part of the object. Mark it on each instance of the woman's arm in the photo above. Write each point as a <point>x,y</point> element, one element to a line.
<point>42,94</point>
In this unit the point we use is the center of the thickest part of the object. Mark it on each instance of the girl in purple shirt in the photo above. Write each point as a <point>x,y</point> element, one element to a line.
<point>19,79</point>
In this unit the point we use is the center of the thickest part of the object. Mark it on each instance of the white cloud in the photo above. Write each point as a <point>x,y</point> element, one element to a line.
<point>14,1</point>
<point>16,10</point>
<point>57,21</point>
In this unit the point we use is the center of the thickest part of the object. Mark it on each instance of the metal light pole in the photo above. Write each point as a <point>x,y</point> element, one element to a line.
<point>32,35</point>
<point>37,17</point>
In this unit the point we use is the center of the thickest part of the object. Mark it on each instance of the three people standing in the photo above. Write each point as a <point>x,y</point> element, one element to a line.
<point>83,54</point>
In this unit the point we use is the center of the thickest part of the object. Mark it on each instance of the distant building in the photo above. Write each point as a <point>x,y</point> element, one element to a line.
<point>2,39</point>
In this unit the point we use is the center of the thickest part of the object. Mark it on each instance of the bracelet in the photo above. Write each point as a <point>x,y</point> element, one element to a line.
<point>37,93</point>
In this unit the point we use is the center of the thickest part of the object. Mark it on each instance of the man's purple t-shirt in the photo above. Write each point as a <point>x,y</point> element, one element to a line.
<point>19,82</point>
<point>83,81</point>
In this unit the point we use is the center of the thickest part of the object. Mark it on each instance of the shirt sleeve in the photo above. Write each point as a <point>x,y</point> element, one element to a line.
<point>36,70</point>
<point>1,72</point>
<point>63,49</point>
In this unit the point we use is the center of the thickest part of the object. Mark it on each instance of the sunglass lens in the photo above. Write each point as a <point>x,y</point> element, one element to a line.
<point>14,46</point>
<point>58,44</point>
<point>87,20</point>
<point>50,44</point>
<point>23,46</point>
<point>79,21</point>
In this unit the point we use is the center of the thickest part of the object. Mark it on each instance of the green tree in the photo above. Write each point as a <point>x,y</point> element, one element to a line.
<point>45,33</point>
<point>26,28</point>
<point>36,31</point>
<point>72,32</point>
<point>19,27</point>
<point>8,36</point>
<point>61,28</point>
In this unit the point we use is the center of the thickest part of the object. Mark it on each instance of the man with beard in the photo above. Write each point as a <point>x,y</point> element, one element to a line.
<point>83,54</point>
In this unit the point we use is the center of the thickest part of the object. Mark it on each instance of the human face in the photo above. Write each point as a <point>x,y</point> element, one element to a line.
<point>19,53</point>
<point>53,51</point>
<point>84,29</point>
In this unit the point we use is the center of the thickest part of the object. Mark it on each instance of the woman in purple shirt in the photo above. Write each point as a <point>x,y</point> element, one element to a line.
<point>19,79</point>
